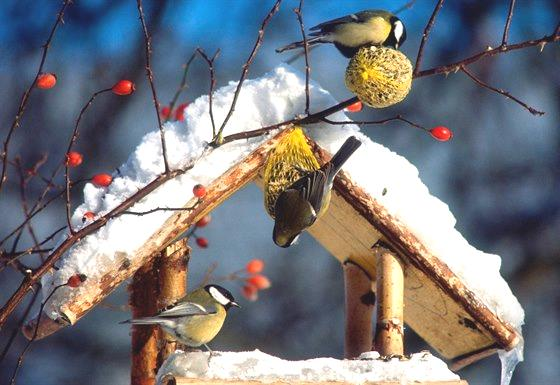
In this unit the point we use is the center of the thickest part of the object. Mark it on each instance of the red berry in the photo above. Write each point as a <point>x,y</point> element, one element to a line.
<point>202,222</point>
<point>165,112</point>
<point>441,133</point>
<point>199,191</point>
<point>259,281</point>
<point>46,80</point>
<point>123,87</point>
<point>102,180</point>
<point>76,280</point>
<point>250,292</point>
<point>180,112</point>
<point>255,266</point>
<point>202,242</point>
<point>74,159</point>
<point>355,107</point>
<point>88,216</point>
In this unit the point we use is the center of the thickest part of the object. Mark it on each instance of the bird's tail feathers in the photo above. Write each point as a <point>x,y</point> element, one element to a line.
<point>145,321</point>
<point>346,150</point>
<point>299,44</point>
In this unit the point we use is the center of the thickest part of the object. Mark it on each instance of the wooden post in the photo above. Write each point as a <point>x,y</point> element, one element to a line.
<point>359,306</point>
<point>172,264</point>
<point>143,292</point>
<point>390,303</point>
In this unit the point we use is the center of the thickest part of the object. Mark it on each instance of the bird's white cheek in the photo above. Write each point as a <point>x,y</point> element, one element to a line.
<point>398,30</point>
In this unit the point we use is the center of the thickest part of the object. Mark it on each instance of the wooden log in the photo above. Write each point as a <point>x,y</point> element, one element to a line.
<point>172,380</point>
<point>143,293</point>
<point>359,306</point>
<point>390,304</point>
<point>172,266</point>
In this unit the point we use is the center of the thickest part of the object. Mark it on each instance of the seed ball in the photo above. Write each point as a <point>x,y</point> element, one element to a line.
<point>379,76</point>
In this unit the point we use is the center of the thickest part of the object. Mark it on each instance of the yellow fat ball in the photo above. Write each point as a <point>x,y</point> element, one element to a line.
<point>379,76</point>
<point>288,162</point>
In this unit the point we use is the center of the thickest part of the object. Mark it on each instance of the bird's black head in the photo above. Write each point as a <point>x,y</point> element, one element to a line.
<point>397,36</point>
<point>221,295</point>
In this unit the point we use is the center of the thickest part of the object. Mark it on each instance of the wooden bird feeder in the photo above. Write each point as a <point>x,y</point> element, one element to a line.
<point>379,254</point>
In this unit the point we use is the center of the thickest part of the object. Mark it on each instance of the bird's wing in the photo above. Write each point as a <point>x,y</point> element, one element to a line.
<point>184,309</point>
<point>328,26</point>
<point>312,188</point>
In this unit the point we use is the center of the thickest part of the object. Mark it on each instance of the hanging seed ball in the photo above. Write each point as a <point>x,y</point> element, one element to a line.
<point>379,76</point>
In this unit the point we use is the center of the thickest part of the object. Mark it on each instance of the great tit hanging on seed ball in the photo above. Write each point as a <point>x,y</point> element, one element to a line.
<point>297,190</point>
<point>195,319</point>
<point>351,32</point>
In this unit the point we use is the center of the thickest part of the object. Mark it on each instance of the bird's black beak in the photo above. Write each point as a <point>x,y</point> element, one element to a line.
<point>233,303</point>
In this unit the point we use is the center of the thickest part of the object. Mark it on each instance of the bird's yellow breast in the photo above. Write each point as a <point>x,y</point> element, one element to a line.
<point>374,31</point>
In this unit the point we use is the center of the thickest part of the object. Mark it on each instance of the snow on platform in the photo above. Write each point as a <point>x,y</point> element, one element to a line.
<point>259,366</point>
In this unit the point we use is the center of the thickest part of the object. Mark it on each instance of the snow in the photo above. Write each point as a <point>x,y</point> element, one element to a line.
<point>275,97</point>
<point>259,366</point>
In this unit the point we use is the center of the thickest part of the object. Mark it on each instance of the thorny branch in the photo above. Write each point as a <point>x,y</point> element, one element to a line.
<point>508,23</point>
<point>210,62</point>
<point>425,36</point>
<point>217,140</point>
<point>150,75</point>
<point>182,86</point>
<point>73,139</point>
<point>306,54</point>
<point>501,92</point>
<point>27,93</point>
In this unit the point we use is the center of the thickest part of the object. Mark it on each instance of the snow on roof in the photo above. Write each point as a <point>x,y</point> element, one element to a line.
<point>275,97</point>
<point>259,366</point>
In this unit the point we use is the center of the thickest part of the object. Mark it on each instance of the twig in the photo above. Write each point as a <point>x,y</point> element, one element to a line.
<point>508,23</point>
<point>210,62</point>
<point>425,36</point>
<point>383,121</point>
<point>306,54</point>
<point>501,92</point>
<point>182,86</point>
<point>150,75</point>
<point>554,37</point>
<point>27,93</point>
<point>218,140</point>
<point>142,213</point>
<point>28,345</point>
<point>408,5</point>
<point>73,139</point>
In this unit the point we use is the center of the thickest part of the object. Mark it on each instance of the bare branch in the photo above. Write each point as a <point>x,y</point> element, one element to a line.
<point>306,54</point>
<point>142,213</point>
<point>210,62</point>
<point>425,36</point>
<point>182,86</point>
<point>27,93</point>
<point>382,121</point>
<point>508,23</point>
<point>406,6</point>
<point>150,76</point>
<point>501,92</point>
<point>218,140</point>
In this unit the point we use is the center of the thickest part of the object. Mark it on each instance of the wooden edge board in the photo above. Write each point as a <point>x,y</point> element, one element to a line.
<point>172,380</point>
<point>93,291</point>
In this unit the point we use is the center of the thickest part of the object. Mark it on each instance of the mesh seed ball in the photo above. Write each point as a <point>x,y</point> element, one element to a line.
<point>379,76</point>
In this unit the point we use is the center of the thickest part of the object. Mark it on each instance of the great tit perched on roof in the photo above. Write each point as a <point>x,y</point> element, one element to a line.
<point>297,190</point>
<point>196,318</point>
<point>350,33</point>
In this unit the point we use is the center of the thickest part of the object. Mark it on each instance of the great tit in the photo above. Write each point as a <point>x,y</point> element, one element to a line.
<point>349,33</point>
<point>195,319</point>
<point>300,204</point>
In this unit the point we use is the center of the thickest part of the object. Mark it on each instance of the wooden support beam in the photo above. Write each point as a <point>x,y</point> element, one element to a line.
<point>172,266</point>
<point>390,303</point>
<point>143,294</point>
<point>359,306</point>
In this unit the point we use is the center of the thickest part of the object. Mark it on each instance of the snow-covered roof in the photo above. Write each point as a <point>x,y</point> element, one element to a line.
<point>111,254</point>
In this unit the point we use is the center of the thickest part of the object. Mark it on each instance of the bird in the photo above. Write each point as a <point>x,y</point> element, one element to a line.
<point>195,319</point>
<point>297,190</point>
<point>351,32</point>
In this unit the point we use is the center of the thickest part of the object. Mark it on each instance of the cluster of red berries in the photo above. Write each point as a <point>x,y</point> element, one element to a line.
<point>255,281</point>
<point>178,114</point>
